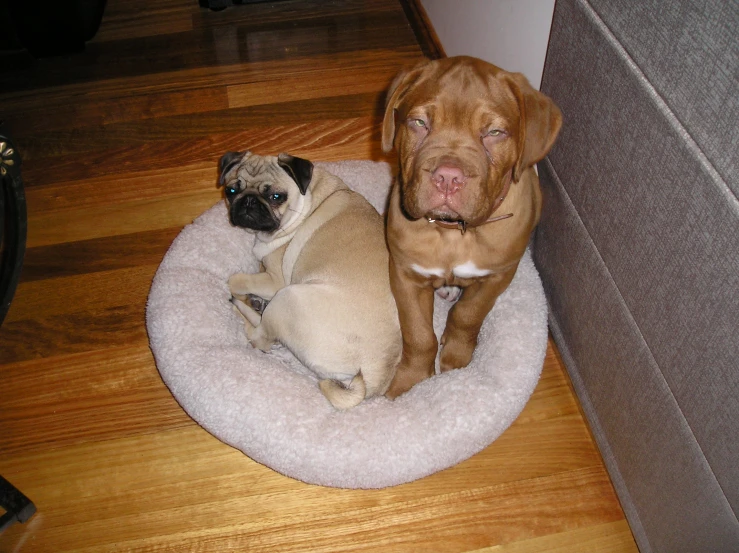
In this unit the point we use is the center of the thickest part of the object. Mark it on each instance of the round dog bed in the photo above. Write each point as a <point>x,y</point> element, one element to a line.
<point>270,407</point>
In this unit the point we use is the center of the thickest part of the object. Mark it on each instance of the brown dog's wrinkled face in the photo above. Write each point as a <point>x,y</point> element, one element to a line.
<point>462,128</point>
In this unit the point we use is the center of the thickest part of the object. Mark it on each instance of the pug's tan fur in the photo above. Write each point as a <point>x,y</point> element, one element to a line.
<point>325,276</point>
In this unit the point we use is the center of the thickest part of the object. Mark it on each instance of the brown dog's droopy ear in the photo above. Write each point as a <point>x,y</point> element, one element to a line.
<point>400,85</point>
<point>299,169</point>
<point>541,121</point>
<point>228,160</point>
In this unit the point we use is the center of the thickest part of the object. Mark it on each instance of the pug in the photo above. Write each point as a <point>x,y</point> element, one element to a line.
<point>323,290</point>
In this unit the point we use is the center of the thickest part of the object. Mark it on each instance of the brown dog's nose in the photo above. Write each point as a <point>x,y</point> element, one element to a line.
<point>448,179</point>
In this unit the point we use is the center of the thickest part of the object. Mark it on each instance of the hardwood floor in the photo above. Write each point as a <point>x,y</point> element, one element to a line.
<point>120,146</point>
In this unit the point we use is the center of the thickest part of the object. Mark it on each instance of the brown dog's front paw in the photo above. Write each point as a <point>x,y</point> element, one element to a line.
<point>455,353</point>
<point>405,378</point>
<point>397,389</point>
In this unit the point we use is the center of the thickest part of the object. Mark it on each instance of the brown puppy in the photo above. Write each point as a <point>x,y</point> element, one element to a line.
<point>465,202</point>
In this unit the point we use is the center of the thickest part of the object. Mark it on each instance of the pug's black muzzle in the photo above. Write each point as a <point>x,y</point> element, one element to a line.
<point>252,212</point>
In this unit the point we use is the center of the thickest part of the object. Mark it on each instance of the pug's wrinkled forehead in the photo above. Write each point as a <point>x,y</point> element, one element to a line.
<point>248,171</point>
<point>258,173</point>
<point>257,167</point>
<point>255,172</point>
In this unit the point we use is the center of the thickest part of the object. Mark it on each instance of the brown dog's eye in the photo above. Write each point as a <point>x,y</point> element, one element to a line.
<point>495,132</point>
<point>418,123</point>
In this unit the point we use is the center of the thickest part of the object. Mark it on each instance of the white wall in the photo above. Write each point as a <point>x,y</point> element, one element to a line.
<point>512,34</point>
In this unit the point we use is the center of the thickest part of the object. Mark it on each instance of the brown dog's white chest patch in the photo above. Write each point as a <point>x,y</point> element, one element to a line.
<point>470,270</point>
<point>463,270</point>
<point>428,272</point>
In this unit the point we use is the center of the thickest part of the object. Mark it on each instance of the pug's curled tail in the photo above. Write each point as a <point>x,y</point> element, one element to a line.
<point>344,397</point>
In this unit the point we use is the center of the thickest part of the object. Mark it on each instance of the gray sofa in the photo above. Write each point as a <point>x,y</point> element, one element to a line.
<point>638,249</point>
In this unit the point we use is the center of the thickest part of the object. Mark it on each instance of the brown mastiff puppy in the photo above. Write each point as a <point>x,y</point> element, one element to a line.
<point>465,201</point>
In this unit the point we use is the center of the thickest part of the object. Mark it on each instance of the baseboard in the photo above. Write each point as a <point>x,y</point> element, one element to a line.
<point>423,29</point>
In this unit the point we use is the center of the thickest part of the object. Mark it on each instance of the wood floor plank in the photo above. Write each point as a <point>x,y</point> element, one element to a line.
<point>316,84</point>
<point>612,537</point>
<point>123,218</point>
<point>327,519</point>
<point>79,142</point>
<point>82,293</point>
<point>126,19</point>
<point>180,80</point>
<point>553,395</point>
<point>438,523</point>
<point>331,140</point>
<point>50,335</point>
<point>107,190</point>
<point>97,255</point>
<point>91,396</point>
<point>60,115</point>
<point>77,313</point>
<point>508,460</point>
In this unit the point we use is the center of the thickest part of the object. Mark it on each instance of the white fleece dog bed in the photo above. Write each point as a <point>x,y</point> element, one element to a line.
<point>270,407</point>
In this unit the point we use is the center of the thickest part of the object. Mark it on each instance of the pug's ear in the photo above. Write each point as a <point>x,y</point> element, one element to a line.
<point>228,161</point>
<point>299,169</point>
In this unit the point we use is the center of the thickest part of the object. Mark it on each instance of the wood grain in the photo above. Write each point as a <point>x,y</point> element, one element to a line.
<point>612,537</point>
<point>348,80</point>
<point>47,336</point>
<point>329,140</point>
<point>79,142</point>
<point>56,114</point>
<point>120,146</point>
<point>174,79</point>
<point>96,255</point>
<point>127,19</point>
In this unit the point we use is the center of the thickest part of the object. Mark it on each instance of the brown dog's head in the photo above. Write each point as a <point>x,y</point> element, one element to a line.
<point>462,128</point>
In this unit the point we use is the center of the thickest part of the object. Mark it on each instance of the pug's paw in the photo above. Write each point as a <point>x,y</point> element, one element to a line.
<point>259,338</point>
<point>239,285</point>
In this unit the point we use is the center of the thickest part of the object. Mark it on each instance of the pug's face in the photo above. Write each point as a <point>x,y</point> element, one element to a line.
<point>260,190</point>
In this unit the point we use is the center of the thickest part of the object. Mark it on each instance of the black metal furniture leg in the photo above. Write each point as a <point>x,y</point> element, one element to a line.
<point>13,222</point>
<point>18,508</point>
<point>13,228</point>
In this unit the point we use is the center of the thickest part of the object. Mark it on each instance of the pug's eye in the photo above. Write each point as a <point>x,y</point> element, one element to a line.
<point>277,198</point>
<point>230,190</point>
